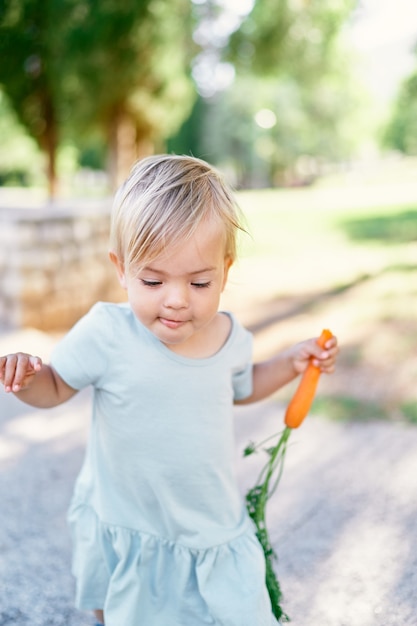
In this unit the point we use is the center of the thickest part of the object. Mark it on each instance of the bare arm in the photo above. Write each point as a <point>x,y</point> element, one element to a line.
<point>274,373</point>
<point>33,382</point>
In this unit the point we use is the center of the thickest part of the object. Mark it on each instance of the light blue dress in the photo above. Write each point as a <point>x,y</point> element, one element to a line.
<point>160,531</point>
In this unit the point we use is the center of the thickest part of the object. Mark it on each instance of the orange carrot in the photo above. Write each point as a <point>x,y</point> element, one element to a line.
<point>303,397</point>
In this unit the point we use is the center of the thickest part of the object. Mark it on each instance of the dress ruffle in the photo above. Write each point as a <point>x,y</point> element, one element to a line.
<point>140,579</point>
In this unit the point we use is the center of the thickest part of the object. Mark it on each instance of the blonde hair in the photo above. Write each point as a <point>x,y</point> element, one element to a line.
<point>163,201</point>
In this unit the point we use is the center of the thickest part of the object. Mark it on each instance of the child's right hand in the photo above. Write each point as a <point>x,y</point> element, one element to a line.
<point>17,370</point>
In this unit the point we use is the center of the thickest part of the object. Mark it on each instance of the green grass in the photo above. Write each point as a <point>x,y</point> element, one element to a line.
<point>347,408</point>
<point>283,222</point>
<point>409,410</point>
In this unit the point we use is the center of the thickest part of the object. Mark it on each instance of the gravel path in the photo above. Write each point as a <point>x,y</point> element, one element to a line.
<point>343,521</point>
<point>40,454</point>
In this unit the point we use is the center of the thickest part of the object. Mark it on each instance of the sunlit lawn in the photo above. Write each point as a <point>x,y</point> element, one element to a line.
<point>346,259</point>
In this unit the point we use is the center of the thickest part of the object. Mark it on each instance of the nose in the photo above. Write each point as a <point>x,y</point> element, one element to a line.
<point>176,297</point>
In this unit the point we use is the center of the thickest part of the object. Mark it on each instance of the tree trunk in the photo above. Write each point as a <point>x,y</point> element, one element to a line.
<point>128,142</point>
<point>49,143</point>
<point>51,172</point>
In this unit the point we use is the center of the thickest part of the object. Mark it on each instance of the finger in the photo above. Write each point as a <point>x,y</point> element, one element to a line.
<point>9,370</point>
<point>326,362</point>
<point>2,364</point>
<point>329,365</point>
<point>24,366</point>
<point>18,367</point>
<point>320,356</point>
<point>331,344</point>
<point>36,363</point>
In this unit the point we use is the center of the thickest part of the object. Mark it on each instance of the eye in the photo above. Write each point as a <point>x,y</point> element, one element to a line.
<point>151,283</point>
<point>201,285</point>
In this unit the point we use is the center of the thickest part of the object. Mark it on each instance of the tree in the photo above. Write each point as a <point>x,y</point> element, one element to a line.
<point>128,74</point>
<point>401,131</point>
<point>291,65</point>
<point>30,40</point>
<point>114,67</point>
<point>289,37</point>
<point>20,157</point>
<point>274,132</point>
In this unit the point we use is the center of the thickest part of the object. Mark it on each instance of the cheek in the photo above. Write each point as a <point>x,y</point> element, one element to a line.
<point>144,302</point>
<point>135,299</point>
<point>210,303</point>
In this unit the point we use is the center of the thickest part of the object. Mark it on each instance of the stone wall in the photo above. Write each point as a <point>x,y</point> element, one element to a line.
<point>54,264</point>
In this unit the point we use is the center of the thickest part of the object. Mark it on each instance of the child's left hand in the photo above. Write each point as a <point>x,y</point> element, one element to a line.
<point>309,351</point>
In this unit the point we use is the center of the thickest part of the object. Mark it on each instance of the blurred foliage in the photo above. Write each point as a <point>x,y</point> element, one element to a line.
<point>310,125</point>
<point>401,131</point>
<point>292,66</point>
<point>71,68</point>
<point>290,37</point>
<point>31,36</point>
<point>20,158</point>
<point>114,79</point>
<point>127,70</point>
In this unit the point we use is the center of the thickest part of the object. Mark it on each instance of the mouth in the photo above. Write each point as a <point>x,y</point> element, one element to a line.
<point>171,323</point>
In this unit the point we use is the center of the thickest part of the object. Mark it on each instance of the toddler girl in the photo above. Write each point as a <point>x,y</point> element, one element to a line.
<point>160,532</point>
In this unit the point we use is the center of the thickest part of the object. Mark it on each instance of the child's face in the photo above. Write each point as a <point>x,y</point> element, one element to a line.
<point>177,295</point>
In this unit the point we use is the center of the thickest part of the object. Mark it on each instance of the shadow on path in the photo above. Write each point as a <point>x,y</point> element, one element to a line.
<point>282,308</point>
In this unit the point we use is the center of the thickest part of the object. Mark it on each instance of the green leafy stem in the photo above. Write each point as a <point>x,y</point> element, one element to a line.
<point>256,500</point>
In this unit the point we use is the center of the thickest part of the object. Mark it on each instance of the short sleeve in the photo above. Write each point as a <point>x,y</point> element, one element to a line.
<point>81,357</point>
<point>242,370</point>
<point>243,382</point>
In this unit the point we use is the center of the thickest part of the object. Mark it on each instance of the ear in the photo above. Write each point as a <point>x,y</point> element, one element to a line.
<point>120,268</point>
<point>228,262</point>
